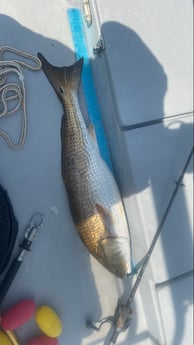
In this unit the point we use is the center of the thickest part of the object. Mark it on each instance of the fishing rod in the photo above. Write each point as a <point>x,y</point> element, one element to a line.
<point>123,313</point>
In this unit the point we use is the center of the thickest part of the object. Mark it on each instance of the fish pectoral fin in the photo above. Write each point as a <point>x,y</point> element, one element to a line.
<point>106,216</point>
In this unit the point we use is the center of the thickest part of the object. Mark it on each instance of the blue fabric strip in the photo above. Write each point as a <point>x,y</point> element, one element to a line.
<point>77,30</point>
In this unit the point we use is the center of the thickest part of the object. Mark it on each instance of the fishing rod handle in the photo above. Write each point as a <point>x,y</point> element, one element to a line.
<point>8,279</point>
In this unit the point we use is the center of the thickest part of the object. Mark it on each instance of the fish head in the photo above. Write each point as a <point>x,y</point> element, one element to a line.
<point>114,255</point>
<point>113,250</point>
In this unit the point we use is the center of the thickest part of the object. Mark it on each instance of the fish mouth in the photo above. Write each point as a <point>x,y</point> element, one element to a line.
<point>114,255</point>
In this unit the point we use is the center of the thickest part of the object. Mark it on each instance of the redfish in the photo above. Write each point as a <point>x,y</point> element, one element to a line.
<point>94,198</point>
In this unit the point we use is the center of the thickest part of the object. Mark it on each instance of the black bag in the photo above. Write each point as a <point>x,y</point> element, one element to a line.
<point>8,229</point>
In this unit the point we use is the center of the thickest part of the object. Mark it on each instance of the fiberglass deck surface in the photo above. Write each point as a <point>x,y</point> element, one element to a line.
<point>144,85</point>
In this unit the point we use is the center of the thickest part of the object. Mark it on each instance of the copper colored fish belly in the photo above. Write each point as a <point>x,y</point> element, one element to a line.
<point>94,198</point>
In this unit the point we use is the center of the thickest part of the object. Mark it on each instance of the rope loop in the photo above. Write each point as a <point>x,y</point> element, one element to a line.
<point>10,91</point>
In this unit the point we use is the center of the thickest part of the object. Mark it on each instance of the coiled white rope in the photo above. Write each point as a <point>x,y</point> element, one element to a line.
<point>12,90</point>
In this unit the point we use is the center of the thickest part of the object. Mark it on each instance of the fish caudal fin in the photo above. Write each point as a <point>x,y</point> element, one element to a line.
<point>62,78</point>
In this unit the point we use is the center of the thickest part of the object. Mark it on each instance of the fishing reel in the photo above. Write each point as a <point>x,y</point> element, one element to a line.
<point>120,321</point>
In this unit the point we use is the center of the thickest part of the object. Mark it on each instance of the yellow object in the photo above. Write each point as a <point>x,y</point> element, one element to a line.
<point>4,339</point>
<point>48,321</point>
<point>12,337</point>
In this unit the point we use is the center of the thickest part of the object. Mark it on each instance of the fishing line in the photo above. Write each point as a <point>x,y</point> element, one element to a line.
<point>10,91</point>
<point>157,234</point>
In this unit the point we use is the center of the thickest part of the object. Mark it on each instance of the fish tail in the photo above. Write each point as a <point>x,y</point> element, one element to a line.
<point>62,78</point>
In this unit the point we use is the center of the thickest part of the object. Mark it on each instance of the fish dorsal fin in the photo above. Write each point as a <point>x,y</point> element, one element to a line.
<point>106,216</point>
<point>62,78</point>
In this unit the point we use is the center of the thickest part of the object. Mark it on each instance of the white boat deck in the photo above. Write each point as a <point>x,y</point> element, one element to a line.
<point>144,85</point>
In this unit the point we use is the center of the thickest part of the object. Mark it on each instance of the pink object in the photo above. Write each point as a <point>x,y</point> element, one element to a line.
<point>43,340</point>
<point>17,315</point>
